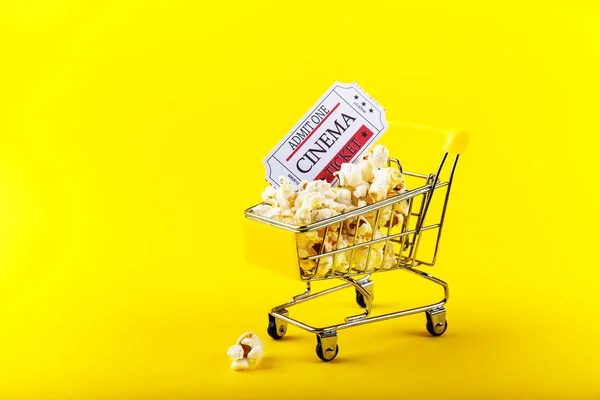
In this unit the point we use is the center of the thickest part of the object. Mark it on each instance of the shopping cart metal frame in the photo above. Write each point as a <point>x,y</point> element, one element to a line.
<point>408,239</point>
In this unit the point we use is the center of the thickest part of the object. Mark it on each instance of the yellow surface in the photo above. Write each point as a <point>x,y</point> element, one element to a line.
<point>132,135</point>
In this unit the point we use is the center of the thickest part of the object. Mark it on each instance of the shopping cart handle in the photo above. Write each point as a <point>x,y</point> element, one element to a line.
<point>456,140</point>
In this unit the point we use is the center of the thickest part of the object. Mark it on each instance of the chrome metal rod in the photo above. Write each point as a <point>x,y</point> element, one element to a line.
<point>430,194</point>
<point>371,242</point>
<point>433,279</point>
<point>341,217</point>
<point>415,175</point>
<point>396,235</point>
<point>363,321</point>
<point>366,296</point>
<point>367,320</point>
<point>302,295</point>
<point>312,296</point>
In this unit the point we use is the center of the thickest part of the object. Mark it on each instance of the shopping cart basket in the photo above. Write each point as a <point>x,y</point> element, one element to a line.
<point>275,247</point>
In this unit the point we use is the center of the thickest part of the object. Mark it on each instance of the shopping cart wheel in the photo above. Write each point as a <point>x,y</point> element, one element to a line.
<point>277,328</point>
<point>360,299</point>
<point>436,322</point>
<point>327,348</point>
<point>327,357</point>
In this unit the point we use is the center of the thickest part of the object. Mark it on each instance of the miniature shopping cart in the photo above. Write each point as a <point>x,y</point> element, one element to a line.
<point>274,243</point>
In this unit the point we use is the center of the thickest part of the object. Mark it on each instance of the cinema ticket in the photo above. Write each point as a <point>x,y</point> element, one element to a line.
<point>338,129</point>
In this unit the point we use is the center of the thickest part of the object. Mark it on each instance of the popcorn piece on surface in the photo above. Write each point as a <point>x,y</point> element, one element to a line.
<point>247,352</point>
<point>236,352</point>
<point>251,341</point>
<point>240,365</point>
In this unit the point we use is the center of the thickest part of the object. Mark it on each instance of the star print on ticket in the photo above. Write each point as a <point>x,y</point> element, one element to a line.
<point>338,129</point>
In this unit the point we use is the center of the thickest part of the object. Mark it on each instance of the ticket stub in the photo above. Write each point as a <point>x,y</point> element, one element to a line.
<point>338,129</point>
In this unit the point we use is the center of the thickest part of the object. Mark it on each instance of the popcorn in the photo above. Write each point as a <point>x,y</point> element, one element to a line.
<point>385,217</point>
<point>377,260</point>
<point>287,216</point>
<point>312,201</point>
<point>385,179</point>
<point>350,176</point>
<point>246,353</point>
<point>362,255</point>
<point>308,239</point>
<point>361,190</point>
<point>239,365</point>
<point>366,182</point>
<point>379,156</point>
<point>366,169</point>
<point>364,227</point>
<point>324,266</point>
<point>275,213</point>
<point>269,195</point>
<point>267,210</point>
<point>390,256</point>
<point>334,205</point>
<point>344,196</point>
<point>341,263</point>
<point>286,193</point>
<point>319,215</point>
<point>309,244</point>
<point>320,186</point>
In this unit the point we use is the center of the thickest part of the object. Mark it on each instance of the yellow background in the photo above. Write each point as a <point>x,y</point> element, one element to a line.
<point>132,134</point>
